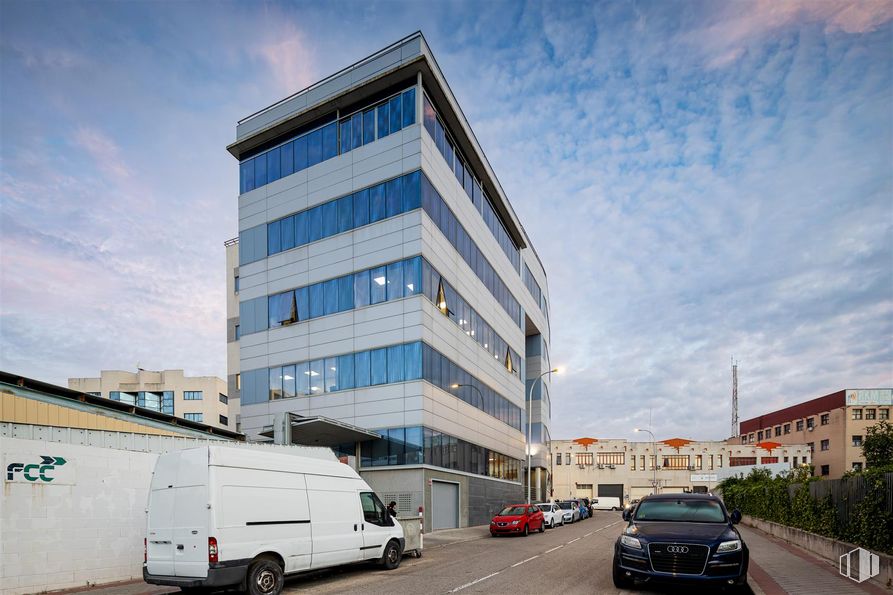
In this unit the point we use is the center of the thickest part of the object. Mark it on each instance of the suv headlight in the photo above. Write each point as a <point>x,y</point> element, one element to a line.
<point>631,542</point>
<point>729,546</point>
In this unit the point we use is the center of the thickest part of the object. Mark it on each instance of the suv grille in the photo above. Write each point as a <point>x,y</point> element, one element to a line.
<point>678,558</point>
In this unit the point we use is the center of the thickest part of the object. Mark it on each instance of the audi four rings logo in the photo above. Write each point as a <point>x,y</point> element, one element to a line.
<point>677,549</point>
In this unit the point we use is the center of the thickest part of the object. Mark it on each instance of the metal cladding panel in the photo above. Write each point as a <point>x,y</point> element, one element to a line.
<point>813,407</point>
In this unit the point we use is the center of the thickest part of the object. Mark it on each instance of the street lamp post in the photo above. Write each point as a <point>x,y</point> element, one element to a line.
<point>480,394</point>
<point>654,465</point>
<point>529,409</point>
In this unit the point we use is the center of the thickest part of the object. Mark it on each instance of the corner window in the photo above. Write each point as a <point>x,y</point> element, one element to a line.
<point>373,510</point>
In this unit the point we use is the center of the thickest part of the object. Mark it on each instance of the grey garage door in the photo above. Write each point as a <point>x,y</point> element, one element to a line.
<point>614,490</point>
<point>445,503</point>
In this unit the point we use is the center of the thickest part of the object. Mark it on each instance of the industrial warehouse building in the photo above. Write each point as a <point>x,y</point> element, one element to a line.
<point>390,304</point>
<point>591,467</point>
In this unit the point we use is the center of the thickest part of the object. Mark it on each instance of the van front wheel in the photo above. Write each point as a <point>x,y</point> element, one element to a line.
<point>265,578</point>
<point>392,556</point>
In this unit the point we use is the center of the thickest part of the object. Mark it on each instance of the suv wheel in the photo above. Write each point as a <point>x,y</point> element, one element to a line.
<point>265,578</point>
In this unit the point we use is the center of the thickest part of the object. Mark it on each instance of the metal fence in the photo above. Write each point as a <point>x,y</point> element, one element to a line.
<point>846,494</point>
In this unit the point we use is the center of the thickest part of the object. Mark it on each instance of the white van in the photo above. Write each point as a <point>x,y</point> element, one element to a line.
<point>220,516</point>
<point>606,503</point>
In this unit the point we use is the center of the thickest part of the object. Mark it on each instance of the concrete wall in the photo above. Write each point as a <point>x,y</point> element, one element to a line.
<point>825,547</point>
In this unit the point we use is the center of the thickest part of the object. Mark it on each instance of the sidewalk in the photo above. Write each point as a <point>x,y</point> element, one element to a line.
<point>778,567</point>
<point>445,537</point>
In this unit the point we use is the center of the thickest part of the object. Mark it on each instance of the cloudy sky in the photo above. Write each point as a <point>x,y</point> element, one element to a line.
<point>702,180</point>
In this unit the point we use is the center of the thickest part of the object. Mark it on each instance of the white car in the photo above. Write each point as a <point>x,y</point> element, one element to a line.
<point>571,511</point>
<point>552,514</point>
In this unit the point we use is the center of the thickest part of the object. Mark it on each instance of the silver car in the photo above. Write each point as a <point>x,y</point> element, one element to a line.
<point>571,511</point>
<point>552,514</point>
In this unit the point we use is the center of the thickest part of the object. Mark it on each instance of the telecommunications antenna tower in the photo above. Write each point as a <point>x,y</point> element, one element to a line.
<point>734,397</point>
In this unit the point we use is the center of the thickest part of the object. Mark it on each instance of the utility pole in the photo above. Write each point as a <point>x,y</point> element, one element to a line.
<point>734,398</point>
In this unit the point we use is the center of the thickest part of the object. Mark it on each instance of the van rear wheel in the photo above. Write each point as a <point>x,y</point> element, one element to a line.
<point>392,556</point>
<point>265,577</point>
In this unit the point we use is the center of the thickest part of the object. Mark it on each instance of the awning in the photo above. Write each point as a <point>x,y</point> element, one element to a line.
<point>322,431</point>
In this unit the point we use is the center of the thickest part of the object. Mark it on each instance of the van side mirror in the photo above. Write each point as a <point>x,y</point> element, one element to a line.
<point>735,516</point>
<point>626,514</point>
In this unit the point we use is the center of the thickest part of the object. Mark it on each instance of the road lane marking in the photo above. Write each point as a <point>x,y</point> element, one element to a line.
<point>606,526</point>
<point>573,540</point>
<point>553,549</point>
<point>466,585</point>
<point>524,561</point>
<point>588,534</point>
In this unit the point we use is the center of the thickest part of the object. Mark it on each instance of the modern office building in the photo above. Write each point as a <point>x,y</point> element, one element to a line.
<point>833,426</point>
<point>201,399</point>
<point>594,467</point>
<point>390,302</point>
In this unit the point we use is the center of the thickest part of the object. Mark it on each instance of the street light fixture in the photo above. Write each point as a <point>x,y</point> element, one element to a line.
<point>480,394</point>
<point>529,409</point>
<point>653,465</point>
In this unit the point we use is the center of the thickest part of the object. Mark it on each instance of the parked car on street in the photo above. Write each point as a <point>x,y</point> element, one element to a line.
<point>571,511</point>
<point>681,538</point>
<point>517,519</point>
<point>552,514</point>
<point>235,517</point>
<point>607,503</point>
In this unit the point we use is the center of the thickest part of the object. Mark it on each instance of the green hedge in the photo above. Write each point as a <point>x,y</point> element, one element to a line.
<point>786,500</point>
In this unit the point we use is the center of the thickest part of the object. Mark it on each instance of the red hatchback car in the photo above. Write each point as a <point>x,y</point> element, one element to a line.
<point>518,518</point>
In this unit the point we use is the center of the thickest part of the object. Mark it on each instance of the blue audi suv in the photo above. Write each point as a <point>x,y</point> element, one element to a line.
<point>681,538</point>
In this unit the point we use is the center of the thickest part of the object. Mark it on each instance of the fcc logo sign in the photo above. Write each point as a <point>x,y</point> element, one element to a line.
<point>859,565</point>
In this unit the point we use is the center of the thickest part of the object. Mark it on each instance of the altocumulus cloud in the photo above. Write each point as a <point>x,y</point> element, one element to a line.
<point>700,179</point>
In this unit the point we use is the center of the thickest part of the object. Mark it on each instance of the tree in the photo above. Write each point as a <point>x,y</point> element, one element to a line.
<point>877,448</point>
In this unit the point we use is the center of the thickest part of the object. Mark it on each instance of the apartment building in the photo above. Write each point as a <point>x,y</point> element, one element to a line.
<point>593,467</point>
<point>200,399</point>
<point>833,426</point>
<point>390,303</point>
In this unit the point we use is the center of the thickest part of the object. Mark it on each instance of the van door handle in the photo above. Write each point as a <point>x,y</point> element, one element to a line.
<point>179,546</point>
<point>354,526</point>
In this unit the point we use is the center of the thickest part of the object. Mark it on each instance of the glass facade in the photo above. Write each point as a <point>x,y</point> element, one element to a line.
<point>328,140</point>
<point>388,199</point>
<point>534,288</point>
<point>468,182</point>
<point>162,401</point>
<point>418,445</point>
<point>388,365</point>
<point>434,205</point>
<point>466,318</point>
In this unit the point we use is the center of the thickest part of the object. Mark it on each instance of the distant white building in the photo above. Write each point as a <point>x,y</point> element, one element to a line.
<point>201,399</point>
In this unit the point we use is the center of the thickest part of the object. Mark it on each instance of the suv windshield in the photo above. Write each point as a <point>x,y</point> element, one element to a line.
<point>512,511</point>
<point>694,511</point>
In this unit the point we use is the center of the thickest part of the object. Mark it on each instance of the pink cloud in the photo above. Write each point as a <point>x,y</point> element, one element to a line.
<point>288,56</point>
<point>104,151</point>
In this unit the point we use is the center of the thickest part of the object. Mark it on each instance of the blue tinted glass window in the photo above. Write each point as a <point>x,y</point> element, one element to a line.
<point>288,382</point>
<point>438,135</point>
<point>329,218</point>
<point>408,107</point>
<point>368,126</point>
<point>246,176</point>
<point>302,228</point>
<point>356,123</point>
<point>314,148</point>
<point>395,363</point>
<point>412,197</point>
<point>302,378</point>
<point>331,371</point>
<point>362,369</point>
<point>287,233</point>
<point>331,296</point>
<point>379,366</point>
<point>302,296</point>
<point>330,141</point>
<point>273,244</point>
<point>412,361</point>
<point>396,115</point>
<point>361,289</point>
<point>260,171</point>
<point>469,182</point>
<point>345,213</point>
<point>275,383</point>
<point>301,157</point>
<point>317,378</point>
<point>377,207</point>
<point>395,280</point>
<point>394,196</point>
<point>361,208</point>
<point>315,224</point>
<point>476,194</point>
<point>414,446</point>
<point>345,293</point>
<point>345,135</point>
<point>396,446</point>
<point>317,300</point>
<point>448,154</point>
<point>288,159</point>
<point>345,372</point>
<point>383,120</point>
<point>379,280</point>
<point>412,276</point>
<point>273,165</point>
